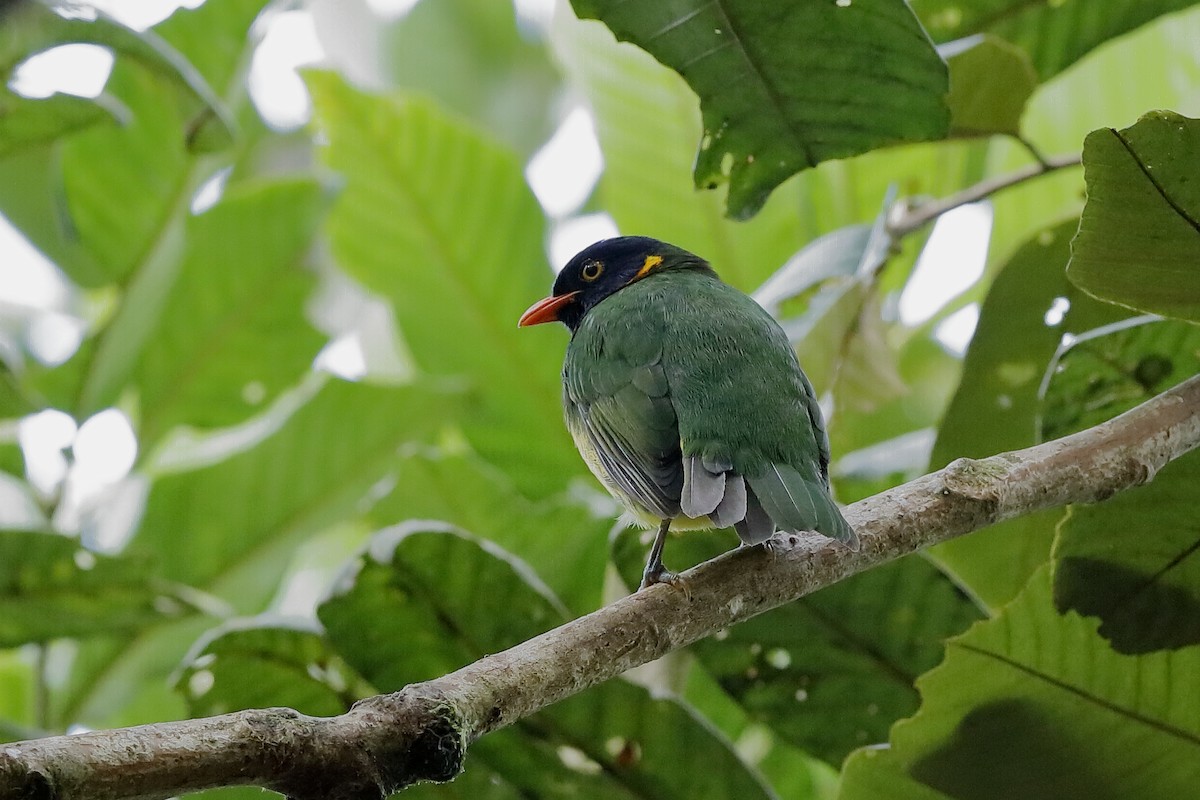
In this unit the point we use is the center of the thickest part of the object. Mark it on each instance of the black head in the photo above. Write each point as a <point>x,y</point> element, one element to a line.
<point>603,268</point>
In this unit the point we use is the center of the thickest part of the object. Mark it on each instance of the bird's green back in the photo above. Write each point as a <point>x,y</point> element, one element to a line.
<point>733,378</point>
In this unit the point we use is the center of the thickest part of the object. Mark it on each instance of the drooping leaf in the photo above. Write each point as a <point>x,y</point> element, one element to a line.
<point>97,207</point>
<point>28,122</point>
<point>53,588</point>
<point>634,745</point>
<point>32,27</point>
<point>1139,238</point>
<point>409,609</point>
<point>267,661</point>
<point>783,88</point>
<point>868,377</point>
<point>1130,561</point>
<point>439,220</point>
<point>837,254</point>
<point>1028,309</point>
<point>565,542</point>
<point>233,332</point>
<point>228,527</point>
<point>831,671</point>
<point>107,190</point>
<point>1035,705</point>
<point>838,335</point>
<point>1055,35</point>
<point>990,83</point>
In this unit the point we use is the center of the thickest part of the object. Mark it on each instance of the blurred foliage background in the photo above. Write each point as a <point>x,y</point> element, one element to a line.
<point>272,437</point>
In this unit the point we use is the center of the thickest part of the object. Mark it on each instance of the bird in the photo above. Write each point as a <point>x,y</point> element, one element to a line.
<point>686,399</point>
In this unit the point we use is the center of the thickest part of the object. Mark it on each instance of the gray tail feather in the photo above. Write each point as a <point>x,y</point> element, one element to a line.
<point>757,526</point>
<point>799,504</point>
<point>703,489</point>
<point>732,508</point>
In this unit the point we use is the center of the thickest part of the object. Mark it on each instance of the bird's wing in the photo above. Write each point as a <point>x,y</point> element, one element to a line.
<point>620,414</point>
<point>740,395</point>
<point>817,420</point>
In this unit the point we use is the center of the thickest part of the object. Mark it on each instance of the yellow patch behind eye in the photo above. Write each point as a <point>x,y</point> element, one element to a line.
<point>650,263</point>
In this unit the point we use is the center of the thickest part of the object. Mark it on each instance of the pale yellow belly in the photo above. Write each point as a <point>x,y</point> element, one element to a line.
<point>636,513</point>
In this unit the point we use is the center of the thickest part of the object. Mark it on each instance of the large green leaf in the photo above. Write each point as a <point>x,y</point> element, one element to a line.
<point>233,332</point>
<point>439,220</point>
<point>1131,561</point>
<point>783,88</point>
<point>561,538</point>
<point>228,527</point>
<point>996,406</point>
<point>1139,239</point>
<point>1054,34</point>
<point>648,123</point>
<point>831,671</point>
<point>1035,705</point>
<point>410,609</point>
<point>52,588</point>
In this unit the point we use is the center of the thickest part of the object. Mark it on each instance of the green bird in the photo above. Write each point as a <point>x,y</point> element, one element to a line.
<point>685,398</point>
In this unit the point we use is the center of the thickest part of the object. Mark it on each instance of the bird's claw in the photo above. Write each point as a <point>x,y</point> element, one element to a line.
<point>672,579</point>
<point>657,575</point>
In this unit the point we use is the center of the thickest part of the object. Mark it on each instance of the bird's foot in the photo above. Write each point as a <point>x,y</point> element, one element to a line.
<point>663,575</point>
<point>657,573</point>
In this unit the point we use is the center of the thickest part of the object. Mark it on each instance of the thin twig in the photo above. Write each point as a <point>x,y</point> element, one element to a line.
<point>422,732</point>
<point>926,213</point>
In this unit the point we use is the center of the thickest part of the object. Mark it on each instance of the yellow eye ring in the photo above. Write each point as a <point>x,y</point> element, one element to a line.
<point>592,270</point>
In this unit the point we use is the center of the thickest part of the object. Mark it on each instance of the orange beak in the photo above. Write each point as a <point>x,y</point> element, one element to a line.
<point>545,310</point>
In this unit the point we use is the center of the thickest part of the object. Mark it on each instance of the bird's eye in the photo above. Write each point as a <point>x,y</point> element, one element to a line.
<point>592,270</point>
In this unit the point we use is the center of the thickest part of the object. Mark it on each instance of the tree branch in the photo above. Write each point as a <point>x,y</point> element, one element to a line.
<point>927,212</point>
<point>422,732</point>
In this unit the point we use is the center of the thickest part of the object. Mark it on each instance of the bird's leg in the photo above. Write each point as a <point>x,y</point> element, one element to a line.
<point>655,572</point>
